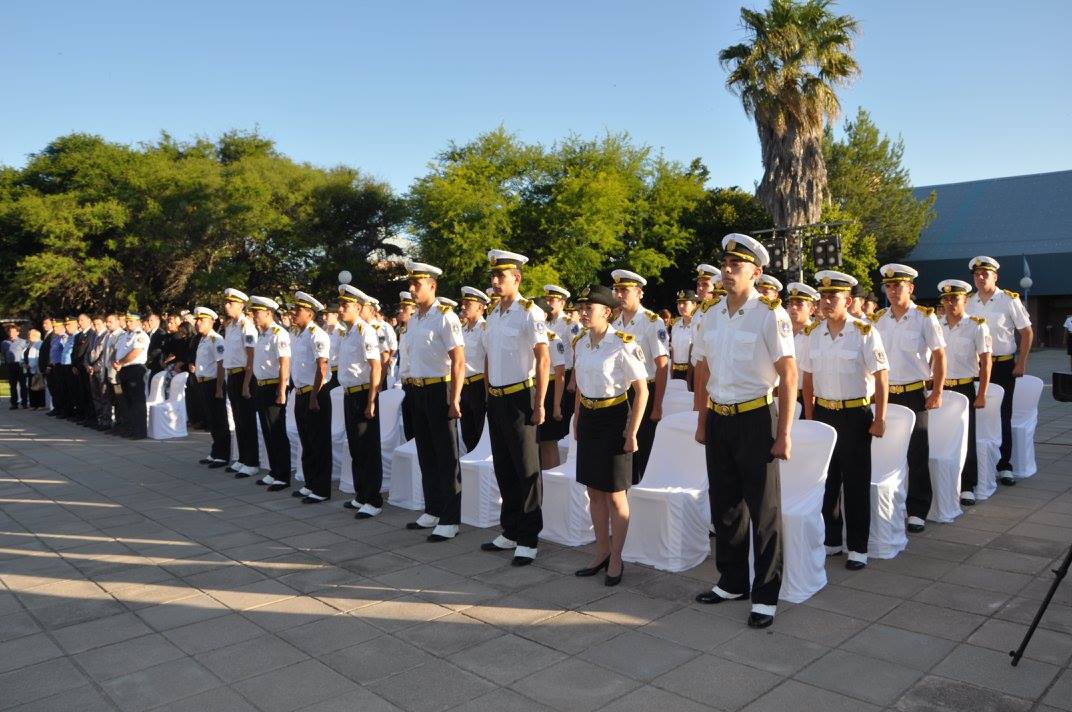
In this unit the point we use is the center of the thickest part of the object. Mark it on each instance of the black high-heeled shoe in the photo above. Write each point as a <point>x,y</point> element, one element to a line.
<point>593,570</point>
<point>609,580</point>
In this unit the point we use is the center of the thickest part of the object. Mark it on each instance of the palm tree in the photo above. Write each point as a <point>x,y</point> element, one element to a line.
<point>786,74</point>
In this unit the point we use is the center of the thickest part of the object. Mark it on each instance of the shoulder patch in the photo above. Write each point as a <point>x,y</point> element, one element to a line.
<point>863,328</point>
<point>625,337</point>
<point>925,311</point>
<point>877,315</point>
<point>808,328</point>
<point>772,304</point>
<point>978,320</point>
<point>526,304</point>
<point>1011,294</point>
<point>443,308</point>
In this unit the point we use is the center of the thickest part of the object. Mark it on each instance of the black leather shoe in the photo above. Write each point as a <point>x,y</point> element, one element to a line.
<point>967,502</point>
<point>297,493</point>
<point>521,561</point>
<point>915,528</point>
<point>230,468</point>
<point>759,620</point>
<point>217,465</point>
<point>241,476</point>
<point>313,500</point>
<point>710,598</point>
<point>609,580</point>
<point>278,486</point>
<point>349,504</point>
<point>491,546</point>
<point>1008,481</point>
<point>855,565</point>
<point>414,526</point>
<point>592,570</point>
<point>437,538</point>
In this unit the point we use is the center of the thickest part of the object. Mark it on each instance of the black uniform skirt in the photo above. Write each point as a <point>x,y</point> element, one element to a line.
<point>602,463</point>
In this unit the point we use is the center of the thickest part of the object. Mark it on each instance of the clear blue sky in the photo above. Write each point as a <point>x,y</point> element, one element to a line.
<point>977,88</point>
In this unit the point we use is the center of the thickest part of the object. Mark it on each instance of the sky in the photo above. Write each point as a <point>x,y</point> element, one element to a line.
<point>976,88</point>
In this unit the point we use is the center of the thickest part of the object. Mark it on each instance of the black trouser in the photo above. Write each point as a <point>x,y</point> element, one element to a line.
<point>132,381</point>
<point>569,398</point>
<point>17,384</point>
<point>919,469</point>
<point>1001,374</point>
<point>363,439</point>
<point>119,406</point>
<point>87,407</point>
<point>745,492</point>
<point>848,479</point>
<point>195,403</point>
<point>407,412</point>
<point>215,419</point>
<point>102,401</point>
<point>37,398</point>
<point>474,407</point>
<point>437,451</point>
<point>61,389</point>
<point>679,375</point>
<point>969,476</point>
<point>314,431</point>
<point>244,413</point>
<point>52,382</point>
<point>273,418</point>
<point>645,435</point>
<point>515,454</point>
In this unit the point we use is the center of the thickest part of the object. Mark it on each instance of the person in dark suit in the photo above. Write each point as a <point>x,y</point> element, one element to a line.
<point>157,338</point>
<point>44,360</point>
<point>82,397</point>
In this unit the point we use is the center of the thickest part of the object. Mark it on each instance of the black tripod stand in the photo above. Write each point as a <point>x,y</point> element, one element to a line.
<point>1060,574</point>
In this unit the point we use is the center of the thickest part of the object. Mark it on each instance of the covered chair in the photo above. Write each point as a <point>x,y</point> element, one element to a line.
<point>566,518</point>
<point>341,463</point>
<point>481,501</point>
<point>669,510</point>
<point>391,434</point>
<point>406,490</point>
<point>889,482</point>
<point>803,483</point>
<point>1025,400</point>
<point>988,441</point>
<point>295,441</point>
<point>677,400</point>
<point>167,418</point>
<point>947,439</point>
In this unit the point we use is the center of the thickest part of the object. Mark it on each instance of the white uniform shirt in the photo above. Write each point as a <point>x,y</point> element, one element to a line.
<point>607,370</point>
<point>965,342</point>
<point>1004,314</point>
<point>386,335</point>
<point>557,348</point>
<point>741,348</point>
<point>697,317</point>
<point>650,333</point>
<point>311,344</point>
<point>843,367</point>
<point>129,341</point>
<point>357,347</point>
<point>430,338</point>
<point>272,344</point>
<point>509,341</point>
<point>209,353</point>
<point>681,340</point>
<point>474,347</point>
<point>565,331</point>
<point>111,347</point>
<point>403,352</point>
<point>909,342</point>
<point>335,337</point>
<point>237,336</point>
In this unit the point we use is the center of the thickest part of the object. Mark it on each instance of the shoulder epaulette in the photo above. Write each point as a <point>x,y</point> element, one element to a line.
<point>360,329</point>
<point>551,334</point>
<point>312,327</point>
<point>978,320</point>
<point>276,329</point>
<point>772,304</point>
<point>578,337</point>
<point>864,329</point>
<point>525,303</point>
<point>709,302</point>
<point>808,328</point>
<point>1011,294</point>
<point>652,316</point>
<point>877,315</point>
<point>674,320</point>
<point>925,311</point>
<point>443,308</point>
<point>625,336</point>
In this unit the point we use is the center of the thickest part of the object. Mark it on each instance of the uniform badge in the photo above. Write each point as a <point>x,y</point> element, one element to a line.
<point>880,356</point>
<point>540,326</point>
<point>731,245</point>
<point>561,347</point>
<point>249,340</point>
<point>662,334</point>
<point>826,282</point>
<point>455,328</point>
<point>219,349</point>
<point>784,327</point>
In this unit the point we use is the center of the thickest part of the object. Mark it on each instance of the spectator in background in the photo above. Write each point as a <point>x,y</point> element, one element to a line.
<point>13,349</point>
<point>157,337</point>
<point>31,364</point>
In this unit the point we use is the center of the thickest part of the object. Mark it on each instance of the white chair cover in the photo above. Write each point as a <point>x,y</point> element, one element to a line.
<point>481,501</point>
<point>677,400</point>
<point>391,433</point>
<point>295,442</point>
<point>988,441</point>
<point>677,386</point>
<point>669,509</point>
<point>406,490</point>
<point>803,482</point>
<point>947,440</point>
<point>156,389</point>
<point>341,463</point>
<point>566,517</point>
<point>1025,400</point>
<point>167,418</point>
<point>889,481</point>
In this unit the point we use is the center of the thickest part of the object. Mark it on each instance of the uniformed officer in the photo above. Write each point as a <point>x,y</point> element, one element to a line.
<point>746,343</point>
<point>555,425</point>
<point>474,396</point>
<point>968,345</point>
<point>518,366</point>
<point>310,373</point>
<point>844,363</point>
<point>565,328</point>
<point>406,308</point>
<point>384,331</point>
<point>769,287</point>
<point>708,290</point>
<point>681,335</point>
<point>239,338</point>
<point>608,364</point>
<point>210,375</point>
<point>271,370</point>
<point>435,375</point>
<point>130,356</point>
<point>335,330</point>
<point>916,352</point>
<point>1005,316</point>
<point>654,342</point>
<point>801,304</point>
<point>360,368</point>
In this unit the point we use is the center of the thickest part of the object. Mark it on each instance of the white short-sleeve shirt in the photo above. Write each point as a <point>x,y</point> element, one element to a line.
<point>909,342</point>
<point>310,345</point>
<point>607,369</point>
<point>358,345</point>
<point>510,339</point>
<point>272,344</point>
<point>965,342</point>
<point>681,340</point>
<point>565,331</point>
<point>742,348</point>
<point>238,335</point>
<point>842,367</point>
<point>474,347</point>
<point>430,337</point>
<point>209,353</point>
<point>556,346</point>
<point>133,340</point>
<point>1005,314</point>
<point>650,333</point>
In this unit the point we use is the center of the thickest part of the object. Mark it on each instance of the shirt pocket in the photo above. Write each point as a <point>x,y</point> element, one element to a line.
<point>847,361</point>
<point>744,346</point>
<point>910,341</point>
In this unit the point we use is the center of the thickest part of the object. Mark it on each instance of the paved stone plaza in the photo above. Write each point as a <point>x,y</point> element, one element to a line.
<point>135,579</point>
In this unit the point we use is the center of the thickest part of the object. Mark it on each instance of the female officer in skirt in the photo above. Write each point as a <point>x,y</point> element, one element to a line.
<point>607,363</point>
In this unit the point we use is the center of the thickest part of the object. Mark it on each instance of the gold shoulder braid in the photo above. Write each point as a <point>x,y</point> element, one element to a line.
<point>925,311</point>
<point>709,302</point>
<point>652,316</point>
<point>808,328</point>
<point>525,303</point>
<point>772,304</point>
<point>578,337</point>
<point>443,308</point>
<point>625,337</point>
<point>877,315</point>
<point>978,320</point>
<point>1012,294</point>
<point>864,329</point>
